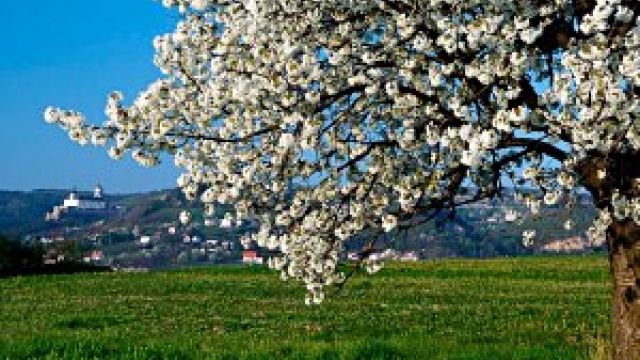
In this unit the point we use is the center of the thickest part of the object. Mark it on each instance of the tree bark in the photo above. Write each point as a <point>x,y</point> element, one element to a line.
<point>624,257</point>
<point>623,239</point>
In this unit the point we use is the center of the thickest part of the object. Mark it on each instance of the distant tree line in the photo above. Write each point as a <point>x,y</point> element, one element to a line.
<point>18,258</point>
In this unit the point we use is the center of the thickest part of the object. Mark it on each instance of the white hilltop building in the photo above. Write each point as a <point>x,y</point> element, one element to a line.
<point>76,201</point>
<point>95,202</point>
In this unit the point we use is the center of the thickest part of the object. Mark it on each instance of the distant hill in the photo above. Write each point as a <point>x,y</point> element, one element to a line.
<point>475,231</point>
<point>23,212</point>
<point>138,230</point>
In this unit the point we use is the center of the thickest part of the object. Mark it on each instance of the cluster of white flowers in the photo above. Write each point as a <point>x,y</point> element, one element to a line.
<point>625,208</point>
<point>321,119</point>
<point>511,215</point>
<point>597,232</point>
<point>528,237</point>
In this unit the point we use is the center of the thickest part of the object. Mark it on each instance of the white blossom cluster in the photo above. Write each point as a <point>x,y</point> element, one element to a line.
<point>324,119</point>
<point>597,232</point>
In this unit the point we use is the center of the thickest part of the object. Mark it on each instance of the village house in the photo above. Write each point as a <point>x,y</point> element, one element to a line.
<point>251,257</point>
<point>94,256</point>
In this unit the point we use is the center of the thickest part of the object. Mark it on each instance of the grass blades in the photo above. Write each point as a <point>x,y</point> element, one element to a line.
<point>510,308</point>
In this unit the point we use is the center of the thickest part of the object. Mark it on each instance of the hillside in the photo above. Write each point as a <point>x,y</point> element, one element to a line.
<point>136,230</point>
<point>144,230</point>
<point>22,213</point>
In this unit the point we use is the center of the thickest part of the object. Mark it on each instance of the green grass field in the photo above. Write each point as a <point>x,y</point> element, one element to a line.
<point>514,308</point>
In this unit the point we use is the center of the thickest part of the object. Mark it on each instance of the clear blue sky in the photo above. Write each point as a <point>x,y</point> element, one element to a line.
<point>72,54</point>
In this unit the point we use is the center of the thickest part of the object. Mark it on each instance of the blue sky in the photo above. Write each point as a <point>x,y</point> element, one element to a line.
<point>72,54</point>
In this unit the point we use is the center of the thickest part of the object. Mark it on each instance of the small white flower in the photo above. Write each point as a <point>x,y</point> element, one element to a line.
<point>357,80</point>
<point>116,153</point>
<point>527,237</point>
<point>200,5</point>
<point>286,140</point>
<point>469,158</point>
<point>510,215</point>
<point>225,223</point>
<point>208,196</point>
<point>409,135</point>
<point>185,217</point>
<point>98,138</point>
<point>389,222</point>
<point>391,89</point>
<point>530,35</point>
<point>551,198</point>
<point>565,180</point>
<point>534,206</point>
<point>517,115</point>
<point>489,139</point>
<point>51,115</point>
<point>568,225</point>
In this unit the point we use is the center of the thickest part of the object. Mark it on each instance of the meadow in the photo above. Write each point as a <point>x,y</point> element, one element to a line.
<point>508,308</point>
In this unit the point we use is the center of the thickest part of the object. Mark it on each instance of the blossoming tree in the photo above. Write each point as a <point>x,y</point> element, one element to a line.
<point>323,119</point>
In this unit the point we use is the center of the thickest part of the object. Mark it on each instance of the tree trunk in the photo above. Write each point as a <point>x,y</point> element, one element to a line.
<point>624,257</point>
<point>623,238</point>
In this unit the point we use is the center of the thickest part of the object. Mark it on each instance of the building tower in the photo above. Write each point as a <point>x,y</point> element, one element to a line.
<point>97,192</point>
